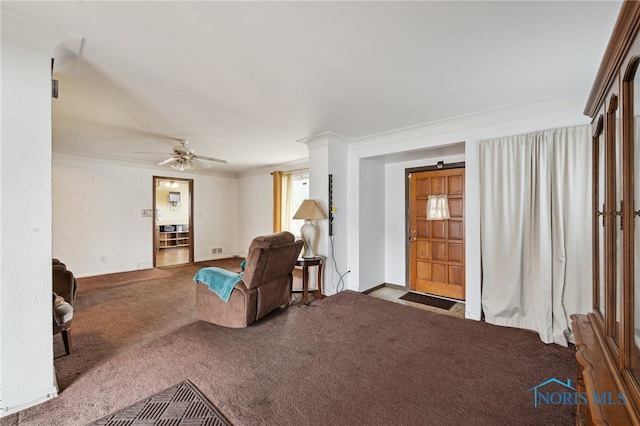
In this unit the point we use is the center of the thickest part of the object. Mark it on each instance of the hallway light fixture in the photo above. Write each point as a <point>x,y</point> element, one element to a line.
<point>309,210</point>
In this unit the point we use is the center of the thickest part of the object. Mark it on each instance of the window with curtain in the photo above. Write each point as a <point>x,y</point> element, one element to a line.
<point>289,190</point>
<point>535,225</point>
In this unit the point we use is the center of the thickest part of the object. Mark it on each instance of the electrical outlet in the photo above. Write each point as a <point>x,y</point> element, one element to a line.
<point>216,250</point>
<point>102,259</point>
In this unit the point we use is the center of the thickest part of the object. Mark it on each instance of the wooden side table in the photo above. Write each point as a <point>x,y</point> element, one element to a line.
<point>306,263</point>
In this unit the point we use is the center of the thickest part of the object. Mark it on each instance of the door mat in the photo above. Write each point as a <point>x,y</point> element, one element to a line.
<point>181,404</point>
<point>428,300</point>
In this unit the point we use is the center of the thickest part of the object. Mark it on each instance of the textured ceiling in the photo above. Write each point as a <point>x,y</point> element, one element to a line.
<point>244,81</point>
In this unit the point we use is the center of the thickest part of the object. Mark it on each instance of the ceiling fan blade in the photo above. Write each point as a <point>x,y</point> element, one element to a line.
<point>167,161</point>
<point>200,164</point>
<point>217,160</point>
<point>149,152</point>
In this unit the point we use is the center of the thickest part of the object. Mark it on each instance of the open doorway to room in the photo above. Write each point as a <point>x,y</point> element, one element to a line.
<point>173,221</point>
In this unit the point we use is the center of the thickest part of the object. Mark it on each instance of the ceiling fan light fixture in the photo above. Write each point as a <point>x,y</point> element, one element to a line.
<point>183,164</point>
<point>184,158</point>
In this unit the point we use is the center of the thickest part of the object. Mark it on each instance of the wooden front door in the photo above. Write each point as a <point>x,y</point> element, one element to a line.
<point>437,246</point>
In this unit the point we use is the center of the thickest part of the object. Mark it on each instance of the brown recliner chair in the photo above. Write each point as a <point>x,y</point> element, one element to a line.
<point>265,285</point>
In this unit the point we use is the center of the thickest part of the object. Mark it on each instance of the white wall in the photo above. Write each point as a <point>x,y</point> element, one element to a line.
<point>255,208</point>
<point>26,351</point>
<point>255,203</point>
<point>338,264</point>
<point>395,242</point>
<point>372,224</point>
<point>398,146</point>
<point>215,215</point>
<point>328,156</point>
<point>98,227</point>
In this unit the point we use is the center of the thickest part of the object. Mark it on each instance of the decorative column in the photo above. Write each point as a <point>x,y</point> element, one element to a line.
<point>328,156</point>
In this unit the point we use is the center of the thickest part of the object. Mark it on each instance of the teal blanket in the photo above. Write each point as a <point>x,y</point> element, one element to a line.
<point>219,280</point>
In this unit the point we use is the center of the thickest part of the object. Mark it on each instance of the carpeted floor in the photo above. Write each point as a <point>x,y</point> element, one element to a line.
<point>347,359</point>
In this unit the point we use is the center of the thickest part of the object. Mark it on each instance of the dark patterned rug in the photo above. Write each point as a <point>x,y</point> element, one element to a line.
<point>181,404</point>
<point>428,300</point>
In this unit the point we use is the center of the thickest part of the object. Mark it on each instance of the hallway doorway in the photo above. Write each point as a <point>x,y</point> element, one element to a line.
<point>173,221</point>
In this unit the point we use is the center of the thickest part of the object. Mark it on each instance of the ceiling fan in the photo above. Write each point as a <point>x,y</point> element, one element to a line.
<point>184,158</point>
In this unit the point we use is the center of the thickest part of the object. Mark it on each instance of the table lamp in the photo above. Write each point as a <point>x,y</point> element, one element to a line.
<point>309,210</point>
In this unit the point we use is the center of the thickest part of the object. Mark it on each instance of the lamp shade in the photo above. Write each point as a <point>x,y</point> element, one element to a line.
<point>309,209</point>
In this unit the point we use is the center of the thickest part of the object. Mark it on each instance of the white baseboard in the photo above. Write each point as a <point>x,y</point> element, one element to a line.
<point>15,406</point>
<point>471,316</point>
<point>110,271</point>
<point>214,257</point>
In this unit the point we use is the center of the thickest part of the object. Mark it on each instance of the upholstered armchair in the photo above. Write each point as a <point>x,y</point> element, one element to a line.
<point>64,295</point>
<point>264,287</point>
<point>64,283</point>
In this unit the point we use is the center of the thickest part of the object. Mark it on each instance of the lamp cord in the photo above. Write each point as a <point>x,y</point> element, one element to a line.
<point>340,285</point>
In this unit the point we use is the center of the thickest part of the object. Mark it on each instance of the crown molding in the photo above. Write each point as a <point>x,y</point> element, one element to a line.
<point>326,139</point>
<point>62,45</point>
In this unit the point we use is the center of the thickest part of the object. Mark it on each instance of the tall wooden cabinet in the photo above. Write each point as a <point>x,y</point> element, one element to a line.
<point>608,337</point>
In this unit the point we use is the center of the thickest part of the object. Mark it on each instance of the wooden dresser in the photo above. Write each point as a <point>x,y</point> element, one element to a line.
<point>608,337</point>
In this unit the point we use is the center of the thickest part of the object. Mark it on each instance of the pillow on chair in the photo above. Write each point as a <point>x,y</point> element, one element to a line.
<point>62,310</point>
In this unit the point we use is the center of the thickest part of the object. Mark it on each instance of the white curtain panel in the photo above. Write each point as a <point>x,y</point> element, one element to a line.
<point>438,207</point>
<point>535,224</point>
<point>288,209</point>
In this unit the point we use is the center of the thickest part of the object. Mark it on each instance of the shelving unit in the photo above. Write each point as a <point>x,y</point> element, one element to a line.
<point>172,238</point>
